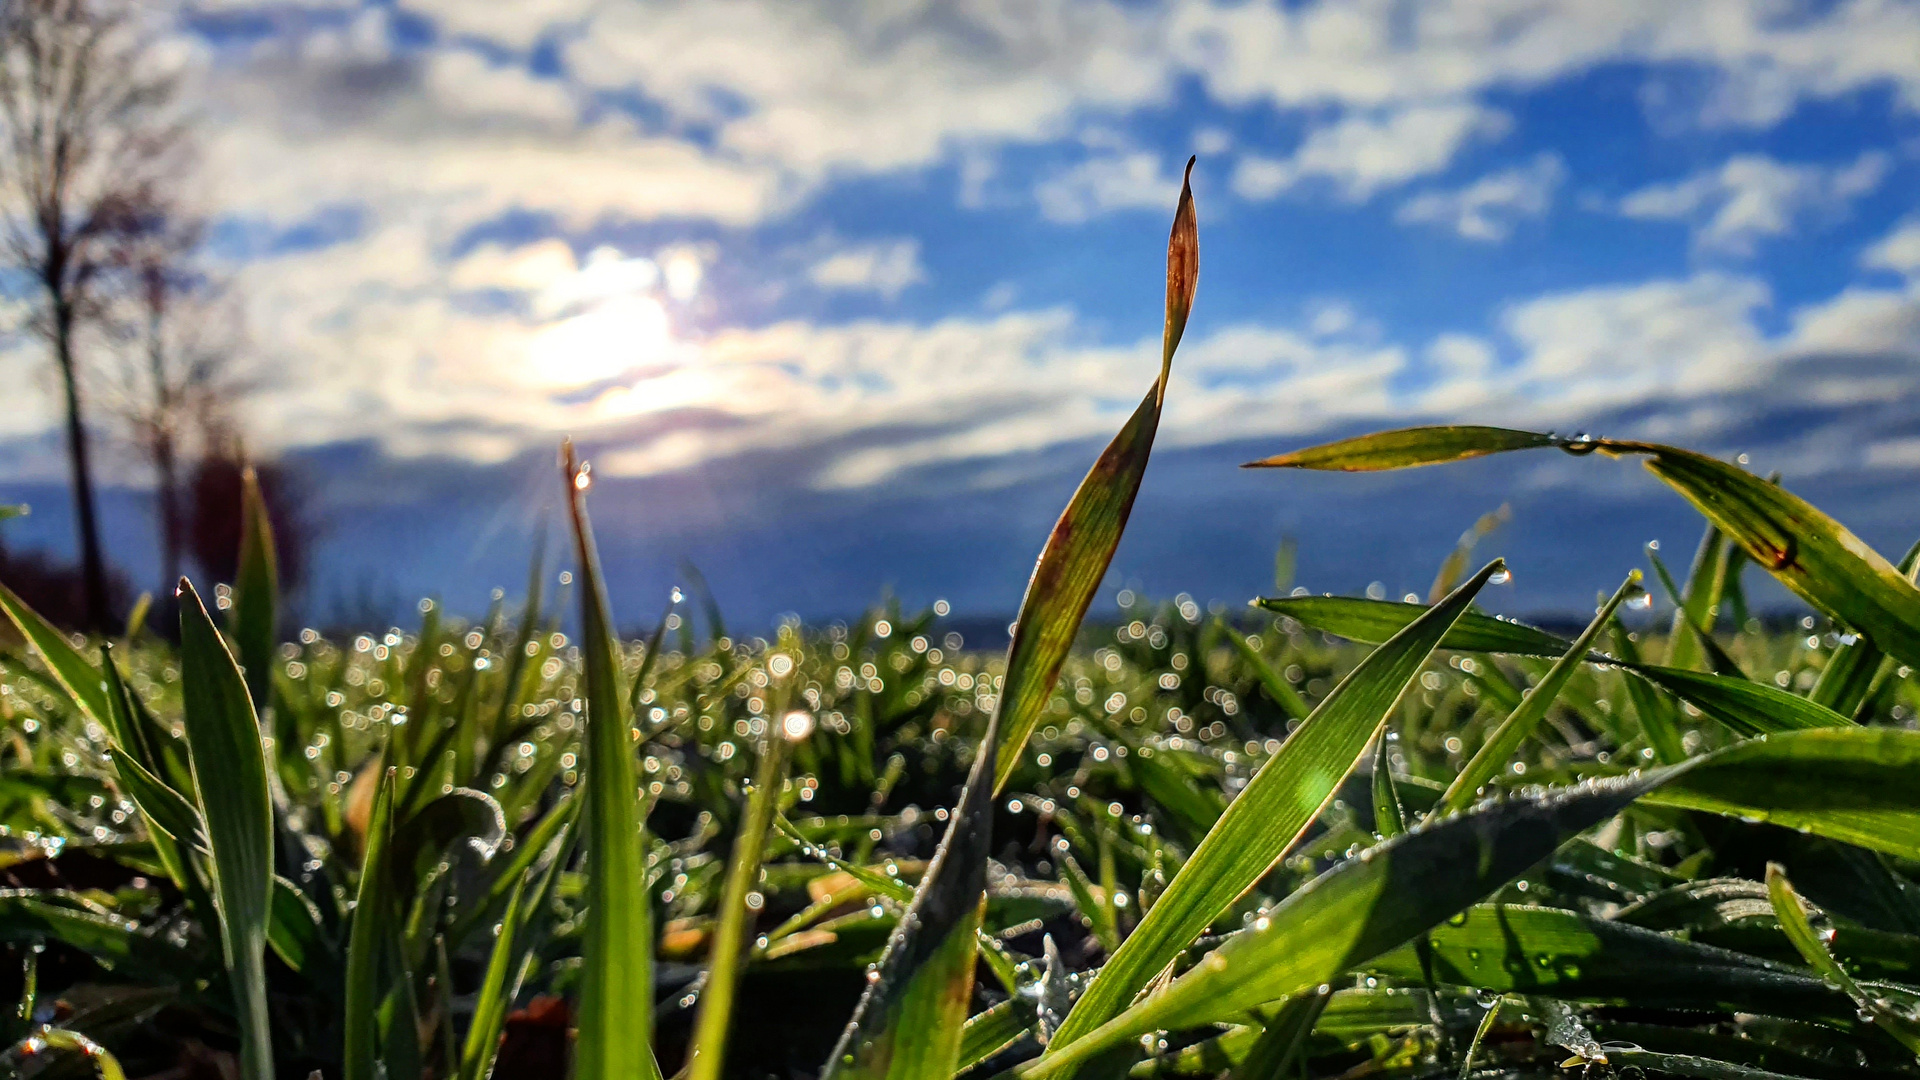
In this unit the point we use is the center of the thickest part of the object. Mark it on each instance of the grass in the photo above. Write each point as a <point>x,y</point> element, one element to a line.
<point>1319,837</point>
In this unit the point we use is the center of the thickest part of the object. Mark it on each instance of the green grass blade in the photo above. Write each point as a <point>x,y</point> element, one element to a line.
<point>1792,913</point>
<point>1848,675</point>
<point>1273,1056</point>
<point>230,772</point>
<point>510,958</point>
<point>1806,550</point>
<point>1371,622</point>
<point>165,808</point>
<point>708,1051</point>
<point>1081,546</point>
<point>1659,719</point>
<point>1278,690</point>
<point>1354,912</point>
<point>105,1065</point>
<point>908,1024</point>
<point>1750,708</point>
<point>256,595</point>
<point>615,1021</point>
<point>1490,761</point>
<point>372,913</point>
<point>83,683</point>
<point>1854,784</point>
<point>1699,603</point>
<point>1516,948</point>
<point>1406,448</point>
<point>1389,818</point>
<point>1267,818</point>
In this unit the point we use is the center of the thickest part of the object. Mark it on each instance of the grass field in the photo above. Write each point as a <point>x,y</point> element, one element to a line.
<point>1318,837</point>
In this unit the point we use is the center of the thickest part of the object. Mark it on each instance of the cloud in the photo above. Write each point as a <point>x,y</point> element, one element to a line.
<point>886,268</point>
<point>1489,208</point>
<point>1752,197</point>
<point>1122,180</point>
<point>1365,152</point>
<point>1898,251</point>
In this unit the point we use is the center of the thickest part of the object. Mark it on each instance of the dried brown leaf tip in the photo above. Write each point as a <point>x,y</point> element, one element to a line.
<point>1183,274</point>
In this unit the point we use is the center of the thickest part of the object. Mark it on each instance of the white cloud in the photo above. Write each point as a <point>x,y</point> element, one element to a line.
<point>1490,207</point>
<point>885,268</point>
<point>1365,152</point>
<point>1752,197</point>
<point>1128,180</point>
<point>1898,251</point>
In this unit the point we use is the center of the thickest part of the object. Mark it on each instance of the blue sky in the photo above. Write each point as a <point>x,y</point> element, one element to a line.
<point>845,297</point>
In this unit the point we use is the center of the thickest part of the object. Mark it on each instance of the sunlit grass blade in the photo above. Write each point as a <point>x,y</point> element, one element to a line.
<point>105,1065</point>
<point>1354,912</point>
<point>1389,818</point>
<point>256,593</point>
<point>1803,548</point>
<point>1659,718</point>
<point>1406,448</point>
<point>83,683</point>
<point>230,772</point>
<point>1854,784</point>
<point>1490,761</point>
<point>165,808</point>
<point>724,956</point>
<point>1792,913</point>
<point>615,1021</point>
<point>1081,546</point>
<point>1269,815</point>
<point>372,913</point>
<point>908,1024</point>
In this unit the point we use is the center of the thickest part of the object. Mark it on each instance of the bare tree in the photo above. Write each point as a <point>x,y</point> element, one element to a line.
<point>89,140</point>
<point>179,335</point>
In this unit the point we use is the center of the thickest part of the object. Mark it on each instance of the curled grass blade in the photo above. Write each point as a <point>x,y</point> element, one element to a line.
<point>1803,548</point>
<point>1082,543</point>
<point>1269,815</point>
<point>908,1024</point>
<point>616,986</point>
<point>230,774</point>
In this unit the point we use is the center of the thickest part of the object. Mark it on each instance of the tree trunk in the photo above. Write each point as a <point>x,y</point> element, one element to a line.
<point>93,568</point>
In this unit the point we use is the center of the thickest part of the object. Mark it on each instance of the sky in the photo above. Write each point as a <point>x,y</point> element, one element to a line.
<point>841,299</point>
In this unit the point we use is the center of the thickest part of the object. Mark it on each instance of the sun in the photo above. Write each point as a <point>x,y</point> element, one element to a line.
<point>609,339</point>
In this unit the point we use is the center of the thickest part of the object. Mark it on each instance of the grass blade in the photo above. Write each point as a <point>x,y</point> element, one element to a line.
<point>256,593</point>
<point>1698,605</point>
<point>1792,913</point>
<point>908,1025</point>
<point>1356,911</point>
<point>1406,448</point>
<point>512,955</point>
<point>1491,759</point>
<point>1371,622</point>
<point>1854,784</point>
<point>1848,676</point>
<point>372,913</point>
<point>1082,543</point>
<point>230,772</point>
<point>708,1051</point>
<point>1268,816</point>
<point>1282,1038</point>
<point>83,683</point>
<point>616,985</point>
